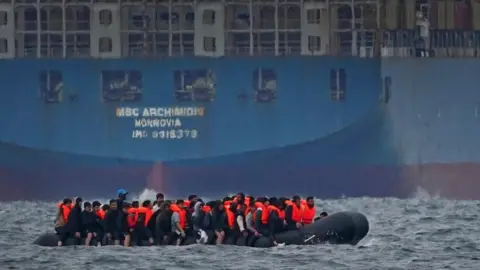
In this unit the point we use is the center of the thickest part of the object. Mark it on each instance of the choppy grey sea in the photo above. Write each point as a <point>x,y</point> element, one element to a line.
<point>419,233</point>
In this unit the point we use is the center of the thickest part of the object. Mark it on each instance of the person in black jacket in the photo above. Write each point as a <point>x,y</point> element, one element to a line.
<point>163,226</point>
<point>110,222</point>
<point>219,220</point>
<point>89,223</point>
<point>124,229</point>
<point>73,228</point>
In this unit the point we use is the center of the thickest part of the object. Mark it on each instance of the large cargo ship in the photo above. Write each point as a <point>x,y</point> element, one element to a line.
<point>325,98</point>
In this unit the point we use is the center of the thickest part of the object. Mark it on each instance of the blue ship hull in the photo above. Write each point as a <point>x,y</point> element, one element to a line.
<point>302,142</point>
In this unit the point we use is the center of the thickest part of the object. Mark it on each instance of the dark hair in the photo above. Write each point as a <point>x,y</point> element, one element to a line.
<point>191,197</point>
<point>309,198</point>
<point>67,201</point>
<point>78,200</point>
<point>112,201</point>
<point>273,200</point>
<point>261,199</point>
<point>160,196</point>
<point>135,204</point>
<point>295,198</point>
<point>96,203</point>
<point>86,204</point>
<point>180,202</point>
<point>106,207</point>
<point>146,203</point>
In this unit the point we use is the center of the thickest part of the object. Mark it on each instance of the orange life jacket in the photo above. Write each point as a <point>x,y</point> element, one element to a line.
<point>273,208</point>
<point>181,213</point>
<point>65,211</point>
<point>230,217</point>
<point>226,204</point>
<point>100,214</point>
<point>186,203</point>
<point>206,208</point>
<point>257,205</point>
<point>132,217</point>
<point>308,214</point>
<point>247,200</point>
<point>281,214</point>
<point>264,217</point>
<point>296,212</point>
<point>143,215</point>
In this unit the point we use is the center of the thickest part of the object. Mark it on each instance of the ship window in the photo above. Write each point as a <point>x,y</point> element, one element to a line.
<point>313,16</point>
<point>208,16</point>
<point>105,17</point>
<point>105,44</point>
<point>3,18</point>
<point>121,85</point>
<point>194,85</point>
<point>338,84</point>
<point>314,43</point>
<point>3,45</point>
<point>209,44</point>
<point>51,86</point>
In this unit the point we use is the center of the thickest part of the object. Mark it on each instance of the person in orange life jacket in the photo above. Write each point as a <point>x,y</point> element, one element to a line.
<point>219,221</point>
<point>63,210</point>
<point>142,218</point>
<point>261,215</point>
<point>73,227</point>
<point>293,214</point>
<point>111,224</point>
<point>274,220</point>
<point>308,212</point>
<point>178,223</point>
<point>163,226</point>
<point>240,225</point>
<point>231,214</point>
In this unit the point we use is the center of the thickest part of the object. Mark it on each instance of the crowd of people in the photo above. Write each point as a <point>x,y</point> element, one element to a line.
<point>161,222</point>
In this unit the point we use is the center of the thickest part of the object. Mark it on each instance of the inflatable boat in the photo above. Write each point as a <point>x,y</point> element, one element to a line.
<point>339,228</point>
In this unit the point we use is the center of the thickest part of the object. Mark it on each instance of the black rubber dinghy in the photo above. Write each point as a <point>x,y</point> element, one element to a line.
<point>338,228</point>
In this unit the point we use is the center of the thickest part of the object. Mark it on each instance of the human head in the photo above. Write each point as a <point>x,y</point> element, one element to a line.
<point>147,204</point>
<point>122,194</point>
<point>160,197</point>
<point>180,204</point>
<point>135,204</point>
<point>113,204</point>
<point>96,206</point>
<point>78,201</point>
<point>87,206</point>
<point>296,200</point>
<point>310,201</point>
<point>67,202</point>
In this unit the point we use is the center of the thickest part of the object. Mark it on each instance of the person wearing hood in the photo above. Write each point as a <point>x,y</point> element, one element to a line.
<point>74,225</point>
<point>199,222</point>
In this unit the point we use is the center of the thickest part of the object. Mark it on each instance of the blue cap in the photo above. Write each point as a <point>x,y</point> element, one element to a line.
<point>121,191</point>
